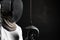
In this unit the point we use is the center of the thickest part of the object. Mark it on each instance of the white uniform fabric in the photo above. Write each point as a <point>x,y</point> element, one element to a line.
<point>7,35</point>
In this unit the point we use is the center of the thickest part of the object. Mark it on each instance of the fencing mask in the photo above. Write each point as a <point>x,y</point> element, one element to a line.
<point>11,11</point>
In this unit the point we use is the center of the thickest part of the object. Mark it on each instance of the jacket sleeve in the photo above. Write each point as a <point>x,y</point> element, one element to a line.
<point>19,30</point>
<point>20,35</point>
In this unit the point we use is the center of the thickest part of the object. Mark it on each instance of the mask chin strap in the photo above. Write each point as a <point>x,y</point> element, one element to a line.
<point>10,26</point>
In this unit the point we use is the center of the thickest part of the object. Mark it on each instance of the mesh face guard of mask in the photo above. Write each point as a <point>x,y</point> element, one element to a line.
<point>12,8</point>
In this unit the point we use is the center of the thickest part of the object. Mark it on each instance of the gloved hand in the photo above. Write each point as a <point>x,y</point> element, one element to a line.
<point>32,33</point>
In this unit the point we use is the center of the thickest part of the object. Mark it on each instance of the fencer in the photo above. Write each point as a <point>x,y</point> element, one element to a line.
<point>9,29</point>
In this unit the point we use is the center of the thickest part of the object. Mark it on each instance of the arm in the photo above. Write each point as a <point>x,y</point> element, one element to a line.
<point>19,31</point>
<point>20,35</point>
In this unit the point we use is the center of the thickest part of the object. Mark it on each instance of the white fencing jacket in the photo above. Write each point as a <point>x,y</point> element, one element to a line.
<point>7,35</point>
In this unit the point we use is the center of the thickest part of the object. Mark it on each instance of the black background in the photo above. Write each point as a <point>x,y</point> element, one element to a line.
<point>44,16</point>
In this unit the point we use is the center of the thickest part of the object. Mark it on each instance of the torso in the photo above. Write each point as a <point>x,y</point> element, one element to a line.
<point>6,35</point>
